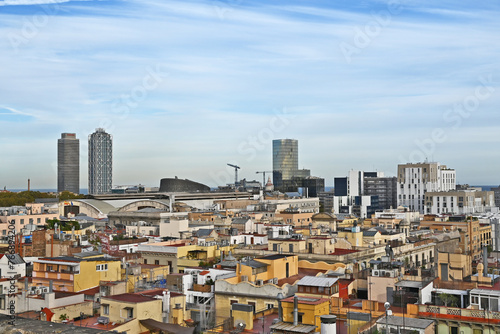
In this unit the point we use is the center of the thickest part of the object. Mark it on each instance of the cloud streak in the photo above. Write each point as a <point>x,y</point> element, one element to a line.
<point>227,76</point>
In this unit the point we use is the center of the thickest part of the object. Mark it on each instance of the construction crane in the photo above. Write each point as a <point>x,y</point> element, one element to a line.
<point>235,174</point>
<point>263,177</point>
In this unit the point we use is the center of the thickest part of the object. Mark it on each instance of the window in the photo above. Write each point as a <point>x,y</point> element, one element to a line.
<point>22,221</point>
<point>105,309</point>
<point>157,261</point>
<point>101,267</point>
<point>253,306</point>
<point>270,306</point>
<point>129,312</point>
<point>145,261</point>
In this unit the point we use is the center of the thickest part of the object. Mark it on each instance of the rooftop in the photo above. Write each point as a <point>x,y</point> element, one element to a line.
<point>36,326</point>
<point>274,257</point>
<point>343,251</point>
<point>407,322</point>
<point>318,281</point>
<point>129,298</point>
<point>306,300</point>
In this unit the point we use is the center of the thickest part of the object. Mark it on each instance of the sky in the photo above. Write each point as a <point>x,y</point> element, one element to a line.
<point>186,87</point>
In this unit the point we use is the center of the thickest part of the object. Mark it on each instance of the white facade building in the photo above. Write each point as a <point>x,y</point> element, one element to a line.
<point>414,180</point>
<point>459,202</point>
<point>12,265</point>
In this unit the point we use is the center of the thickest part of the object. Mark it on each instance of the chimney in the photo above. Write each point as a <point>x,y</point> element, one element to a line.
<point>29,185</point>
<point>295,310</point>
<point>280,308</point>
<point>328,324</point>
<point>485,260</point>
<point>51,287</point>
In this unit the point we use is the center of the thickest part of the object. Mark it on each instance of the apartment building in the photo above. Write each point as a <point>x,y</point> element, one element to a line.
<point>473,234</point>
<point>459,202</point>
<point>416,179</point>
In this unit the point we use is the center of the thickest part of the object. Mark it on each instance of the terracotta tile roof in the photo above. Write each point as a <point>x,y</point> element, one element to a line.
<point>342,251</point>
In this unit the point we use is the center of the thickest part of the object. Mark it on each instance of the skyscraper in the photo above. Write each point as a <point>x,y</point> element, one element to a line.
<point>286,173</point>
<point>285,157</point>
<point>100,162</point>
<point>68,163</point>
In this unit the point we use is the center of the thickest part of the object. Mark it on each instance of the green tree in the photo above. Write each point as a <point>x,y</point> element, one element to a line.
<point>448,300</point>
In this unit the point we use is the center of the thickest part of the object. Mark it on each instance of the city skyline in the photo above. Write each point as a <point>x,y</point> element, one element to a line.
<point>187,87</point>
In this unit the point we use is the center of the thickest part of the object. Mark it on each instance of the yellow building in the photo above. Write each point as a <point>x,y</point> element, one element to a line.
<point>295,218</point>
<point>454,267</point>
<point>180,254</point>
<point>352,234</point>
<point>309,311</point>
<point>288,245</point>
<point>76,273</point>
<point>258,283</point>
<point>129,308</point>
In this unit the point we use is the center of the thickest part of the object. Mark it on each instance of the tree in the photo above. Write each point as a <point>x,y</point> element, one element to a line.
<point>448,299</point>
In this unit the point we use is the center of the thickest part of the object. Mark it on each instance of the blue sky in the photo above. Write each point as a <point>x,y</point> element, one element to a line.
<point>185,87</point>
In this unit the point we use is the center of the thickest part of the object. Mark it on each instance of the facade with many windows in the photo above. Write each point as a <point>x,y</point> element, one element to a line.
<point>415,180</point>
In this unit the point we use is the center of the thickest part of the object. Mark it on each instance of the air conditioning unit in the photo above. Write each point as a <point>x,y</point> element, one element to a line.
<point>275,280</point>
<point>271,281</point>
<point>375,273</point>
<point>103,320</point>
<point>259,282</point>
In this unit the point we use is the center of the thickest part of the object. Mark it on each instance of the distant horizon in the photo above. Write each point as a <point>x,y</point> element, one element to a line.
<point>85,190</point>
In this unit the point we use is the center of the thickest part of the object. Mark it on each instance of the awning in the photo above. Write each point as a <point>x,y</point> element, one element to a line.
<point>154,325</point>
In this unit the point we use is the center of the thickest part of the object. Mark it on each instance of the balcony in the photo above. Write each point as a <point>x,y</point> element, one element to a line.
<point>202,288</point>
<point>54,275</point>
<point>458,314</point>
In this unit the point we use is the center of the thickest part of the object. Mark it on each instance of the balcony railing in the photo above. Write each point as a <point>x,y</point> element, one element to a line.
<point>436,312</point>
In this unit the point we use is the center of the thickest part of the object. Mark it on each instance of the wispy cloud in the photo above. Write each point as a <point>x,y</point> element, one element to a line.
<point>32,2</point>
<point>228,75</point>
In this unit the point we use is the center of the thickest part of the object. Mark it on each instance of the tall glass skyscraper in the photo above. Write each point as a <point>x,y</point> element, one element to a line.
<point>68,163</point>
<point>286,157</point>
<point>100,162</point>
<point>285,160</point>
